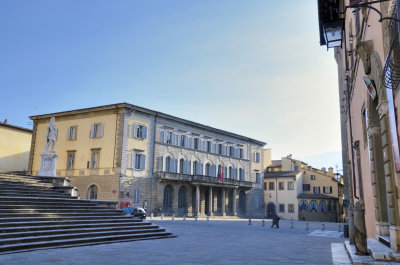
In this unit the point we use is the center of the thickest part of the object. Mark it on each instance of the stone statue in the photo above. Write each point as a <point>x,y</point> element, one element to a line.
<point>51,136</point>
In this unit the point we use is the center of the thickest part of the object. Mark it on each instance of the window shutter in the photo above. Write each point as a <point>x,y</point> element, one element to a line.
<point>143,162</point>
<point>129,158</point>
<point>187,167</point>
<point>101,129</point>
<point>160,163</point>
<point>330,188</point>
<point>173,138</point>
<point>213,147</point>
<point>244,175</point>
<point>214,169</point>
<point>200,168</point>
<point>135,127</point>
<point>91,131</point>
<point>162,139</point>
<point>144,132</point>
<point>176,165</point>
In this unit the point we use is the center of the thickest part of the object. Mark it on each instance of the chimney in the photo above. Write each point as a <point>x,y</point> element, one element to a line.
<point>323,169</point>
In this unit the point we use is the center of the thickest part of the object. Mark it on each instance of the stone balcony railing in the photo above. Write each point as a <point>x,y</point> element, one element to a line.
<point>203,179</point>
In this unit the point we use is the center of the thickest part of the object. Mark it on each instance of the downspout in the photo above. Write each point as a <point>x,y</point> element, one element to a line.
<point>153,177</point>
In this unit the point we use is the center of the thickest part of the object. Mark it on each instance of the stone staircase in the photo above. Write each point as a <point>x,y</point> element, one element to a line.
<point>42,212</point>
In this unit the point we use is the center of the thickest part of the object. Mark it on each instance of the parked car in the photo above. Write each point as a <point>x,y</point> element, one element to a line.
<point>139,212</point>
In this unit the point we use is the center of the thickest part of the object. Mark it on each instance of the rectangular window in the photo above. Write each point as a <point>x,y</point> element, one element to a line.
<point>140,161</point>
<point>231,151</point>
<point>265,185</point>
<point>240,153</point>
<point>312,177</point>
<point>183,140</point>
<point>97,130</point>
<point>281,208</point>
<point>306,187</point>
<point>70,159</point>
<point>71,133</point>
<point>95,158</point>
<point>281,185</point>
<point>168,137</point>
<point>327,190</point>
<point>317,190</point>
<point>290,185</point>
<point>196,143</point>
<point>291,208</point>
<point>271,185</point>
<point>220,149</point>
<point>140,131</point>
<point>208,146</point>
<point>258,178</point>
<point>257,157</point>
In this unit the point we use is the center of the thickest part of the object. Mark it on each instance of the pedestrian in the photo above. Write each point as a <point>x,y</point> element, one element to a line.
<point>275,221</point>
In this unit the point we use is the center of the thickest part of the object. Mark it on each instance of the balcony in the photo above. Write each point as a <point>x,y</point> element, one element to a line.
<point>203,179</point>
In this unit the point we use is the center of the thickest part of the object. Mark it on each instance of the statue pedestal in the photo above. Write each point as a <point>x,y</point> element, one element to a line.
<point>49,164</point>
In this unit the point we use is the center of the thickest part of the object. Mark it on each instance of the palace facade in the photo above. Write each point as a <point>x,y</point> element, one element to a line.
<point>146,158</point>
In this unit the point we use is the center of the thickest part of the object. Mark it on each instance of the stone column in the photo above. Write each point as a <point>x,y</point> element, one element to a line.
<point>234,202</point>
<point>210,200</point>
<point>223,202</point>
<point>197,200</point>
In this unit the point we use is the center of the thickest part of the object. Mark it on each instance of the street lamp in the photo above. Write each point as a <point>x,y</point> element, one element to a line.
<point>333,33</point>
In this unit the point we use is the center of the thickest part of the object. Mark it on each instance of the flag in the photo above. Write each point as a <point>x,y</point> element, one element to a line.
<point>219,174</point>
<point>222,174</point>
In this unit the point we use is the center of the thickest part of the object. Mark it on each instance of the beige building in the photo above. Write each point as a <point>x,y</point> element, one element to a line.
<point>15,143</point>
<point>367,55</point>
<point>293,190</point>
<point>142,157</point>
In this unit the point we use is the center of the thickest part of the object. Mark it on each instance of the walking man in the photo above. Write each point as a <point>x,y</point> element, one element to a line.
<point>275,221</point>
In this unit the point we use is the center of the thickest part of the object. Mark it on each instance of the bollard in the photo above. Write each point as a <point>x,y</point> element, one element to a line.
<point>184,217</point>
<point>249,221</point>
<point>208,218</point>
<point>323,227</point>
<point>339,228</point>
<point>151,216</point>
<point>291,225</point>
<point>162,216</point>
<point>173,216</point>
<point>195,218</point>
<point>307,226</point>
<point>263,222</point>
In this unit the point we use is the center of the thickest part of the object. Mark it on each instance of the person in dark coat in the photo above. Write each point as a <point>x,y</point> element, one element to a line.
<point>275,221</point>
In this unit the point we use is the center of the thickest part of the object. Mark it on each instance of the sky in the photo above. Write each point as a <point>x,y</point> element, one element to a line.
<point>251,67</point>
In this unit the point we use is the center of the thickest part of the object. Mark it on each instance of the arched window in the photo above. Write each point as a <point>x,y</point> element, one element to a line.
<point>208,169</point>
<point>182,197</point>
<point>182,166</point>
<point>322,207</point>
<point>136,196</point>
<point>168,196</point>
<point>195,168</point>
<point>303,206</point>
<point>230,173</point>
<point>168,164</point>
<point>92,192</point>
<point>313,207</point>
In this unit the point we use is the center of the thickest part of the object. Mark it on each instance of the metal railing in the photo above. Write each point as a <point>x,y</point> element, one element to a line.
<point>202,179</point>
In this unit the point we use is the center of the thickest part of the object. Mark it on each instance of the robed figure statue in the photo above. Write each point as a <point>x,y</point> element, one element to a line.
<point>51,136</point>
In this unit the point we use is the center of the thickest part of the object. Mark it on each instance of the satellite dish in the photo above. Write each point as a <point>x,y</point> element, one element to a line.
<point>370,84</point>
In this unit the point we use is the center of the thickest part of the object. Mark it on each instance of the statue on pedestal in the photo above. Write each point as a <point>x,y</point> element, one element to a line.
<point>51,136</point>
<point>49,158</point>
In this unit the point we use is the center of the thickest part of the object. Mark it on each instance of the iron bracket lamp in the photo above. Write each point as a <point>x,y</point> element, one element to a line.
<point>368,5</point>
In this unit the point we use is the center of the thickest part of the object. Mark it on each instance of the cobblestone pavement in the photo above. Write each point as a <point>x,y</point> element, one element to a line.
<point>214,242</point>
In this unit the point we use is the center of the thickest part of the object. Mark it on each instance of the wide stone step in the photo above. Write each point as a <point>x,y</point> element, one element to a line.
<point>81,217</point>
<point>45,207</point>
<point>9,185</point>
<point>40,199</point>
<point>12,248</point>
<point>82,234</point>
<point>25,183</point>
<point>39,194</point>
<point>69,226</point>
<point>29,233</point>
<point>47,203</point>
<point>27,210</point>
<point>67,221</point>
<point>30,191</point>
<point>60,214</point>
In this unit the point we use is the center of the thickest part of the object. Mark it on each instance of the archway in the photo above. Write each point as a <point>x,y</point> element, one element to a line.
<point>92,192</point>
<point>182,202</point>
<point>168,199</point>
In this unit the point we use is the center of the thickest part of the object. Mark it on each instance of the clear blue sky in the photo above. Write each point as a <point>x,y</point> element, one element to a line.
<point>252,67</point>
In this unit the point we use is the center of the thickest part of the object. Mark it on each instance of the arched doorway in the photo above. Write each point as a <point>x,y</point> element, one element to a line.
<point>182,203</point>
<point>92,192</point>
<point>168,199</point>
<point>270,210</point>
<point>242,203</point>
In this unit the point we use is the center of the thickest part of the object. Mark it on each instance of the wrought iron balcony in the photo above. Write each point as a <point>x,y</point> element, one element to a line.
<point>203,179</point>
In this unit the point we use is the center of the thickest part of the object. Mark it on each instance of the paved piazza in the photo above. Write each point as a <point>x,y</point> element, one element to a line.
<point>202,242</point>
